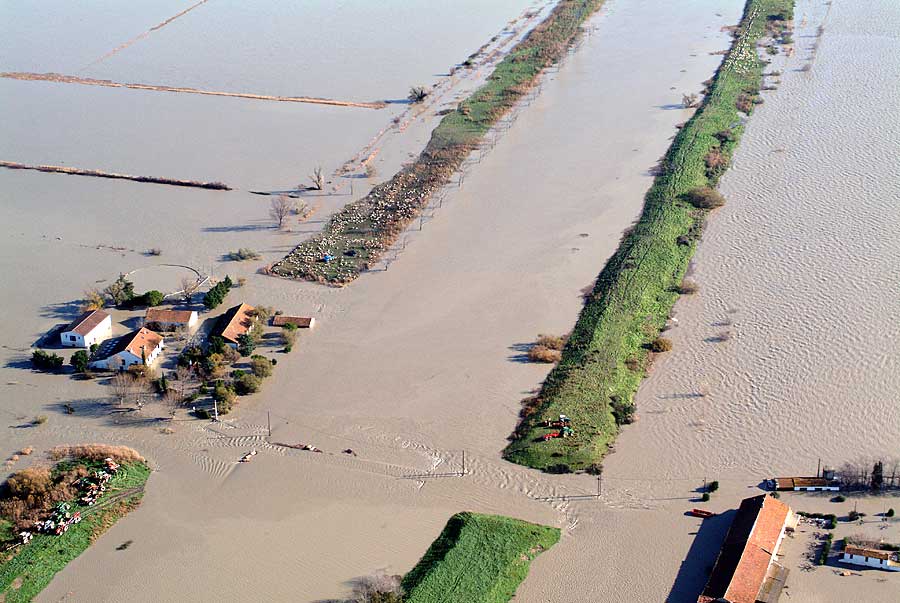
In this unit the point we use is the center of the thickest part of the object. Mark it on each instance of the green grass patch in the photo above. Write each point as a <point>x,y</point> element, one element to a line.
<point>605,358</point>
<point>477,559</point>
<point>359,234</point>
<point>27,569</point>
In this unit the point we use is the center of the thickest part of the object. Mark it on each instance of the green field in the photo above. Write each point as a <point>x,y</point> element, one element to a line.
<point>477,559</point>
<point>606,356</point>
<point>360,233</point>
<point>27,570</point>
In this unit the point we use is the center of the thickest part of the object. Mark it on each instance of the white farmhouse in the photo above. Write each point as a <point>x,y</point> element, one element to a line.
<point>91,327</point>
<point>140,347</point>
<point>876,558</point>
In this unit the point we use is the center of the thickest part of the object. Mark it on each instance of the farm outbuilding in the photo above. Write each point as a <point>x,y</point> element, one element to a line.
<point>140,347</point>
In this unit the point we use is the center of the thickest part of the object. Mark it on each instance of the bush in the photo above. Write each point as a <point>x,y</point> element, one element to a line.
<point>623,411</point>
<point>417,94</point>
<point>539,353</point>
<point>242,254</point>
<point>224,397</point>
<point>246,384</point>
<point>79,361</point>
<point>552,342</point>
<point>713,486</point>
<point>705,497</point>
<point>890,512</point>
<point>46,362</point>
<point>688,287</point>
<point>705,198</point>
<point>826,549</point>
<point>96,452</point>
<point>288,337</point>
<point>838,499</point>
<point>154,251</point>
<point>152,298</point>
<point>661,344</point>
<point>261,367</point>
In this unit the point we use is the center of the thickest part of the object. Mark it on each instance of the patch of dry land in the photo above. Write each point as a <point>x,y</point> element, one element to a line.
<point>413,365</point>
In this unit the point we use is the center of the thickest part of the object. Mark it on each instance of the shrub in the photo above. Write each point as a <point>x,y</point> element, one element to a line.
<point>713,486</point>
<point>79,361</point>
<point>96,452</point>
<point>826,549</point>
<point>716,163</point>
<point>288,337</point>
<point>688,287</point>
<point>152,298</point>
<point>46,361</point>
<point>417,94</point>
<point>744,102</point>
<point>261,367</point>
<point>838,499</point>
<point>623,410</point>
<point>539,353</point>
<point>553,342</point>
<point>246,384</point>
<point>242,254</point>
<point>705,198</point>
<point>890,512</point>
<point>154,251</point>
<point>661,344</point>
<point>689,101</point>
<point>705,497</point>
<point>224,397</point>
<point>725,136</point>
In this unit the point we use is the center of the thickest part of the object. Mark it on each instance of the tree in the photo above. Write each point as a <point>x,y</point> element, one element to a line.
<point>79,361</point>
<point>318,178</point>
<point>46,361</point>
<point>120,291</point>
<point>152,298</point>
<point>878,476</point>
<point>280,209</point>
<point>246,383</point>
<point>122,384</point>
<point>246,344</point>
<point>417,94</point>
<point>261,366</point>
<point>189,286</point>
<point>93,300</point>
<point>215,296</point>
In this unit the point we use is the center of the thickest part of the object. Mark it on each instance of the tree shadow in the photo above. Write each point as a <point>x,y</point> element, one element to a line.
<point>671,106</point>
<point>521,355</point>
<point>68,310</point>
<point>699,561</point>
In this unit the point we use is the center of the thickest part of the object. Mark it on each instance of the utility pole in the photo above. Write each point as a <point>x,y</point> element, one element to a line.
<point>599,481</point>
<point>269,421</point>
<point>463,463</point>
<point>215,410</point>
<point>819,468</point>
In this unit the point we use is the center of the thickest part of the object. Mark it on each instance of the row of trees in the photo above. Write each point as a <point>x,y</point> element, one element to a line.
<point>875,475</point>
<point>215,296</point>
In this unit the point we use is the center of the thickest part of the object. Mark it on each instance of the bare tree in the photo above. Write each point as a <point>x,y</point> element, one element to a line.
<point>172,400</point>
<point>189,286</point>
<point>185,374</point>
<point>122,384</point>
<point>280,209</point>
<point>318,178</point>
<point>690,100</point>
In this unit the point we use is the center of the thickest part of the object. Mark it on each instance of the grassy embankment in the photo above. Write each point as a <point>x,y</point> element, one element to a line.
<point>607,354</point>
<point>361,232</point>
<point>477,559</point>
<point>27,569</point>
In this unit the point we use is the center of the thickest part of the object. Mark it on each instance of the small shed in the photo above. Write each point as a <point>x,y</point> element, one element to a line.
<point>91,327</point>
<point>301,322</point>
<point>804,484</point>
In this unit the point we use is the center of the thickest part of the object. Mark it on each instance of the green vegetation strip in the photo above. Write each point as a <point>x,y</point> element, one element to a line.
<point>477,559</point>
<point>606,356</point>
<point>359,234</point>
<point>27,569</point>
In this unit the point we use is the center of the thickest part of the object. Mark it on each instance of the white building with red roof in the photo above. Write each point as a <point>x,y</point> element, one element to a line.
<point>91,327</point>
<point>140,347</point>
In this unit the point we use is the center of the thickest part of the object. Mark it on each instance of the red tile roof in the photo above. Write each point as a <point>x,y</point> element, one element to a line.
<point>236,321</point>
<point>168,316</point>
<point>749,548</point>
<point>87,322</point>
<point>142,338</point>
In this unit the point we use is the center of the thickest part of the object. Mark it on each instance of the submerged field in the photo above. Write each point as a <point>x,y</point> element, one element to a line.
<point>607,354</point>
<point>477,559</point>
